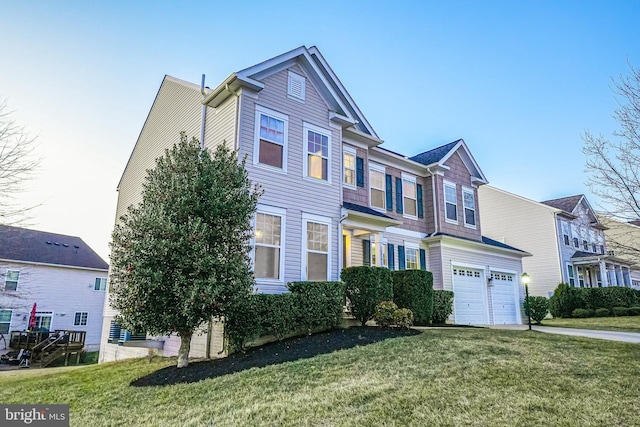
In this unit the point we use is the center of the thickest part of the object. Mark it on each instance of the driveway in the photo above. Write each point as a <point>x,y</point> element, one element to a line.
<point>632,337</point>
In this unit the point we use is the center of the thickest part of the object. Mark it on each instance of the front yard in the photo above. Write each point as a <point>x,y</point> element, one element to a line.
<point>440,377</point>
<point>618,324</point>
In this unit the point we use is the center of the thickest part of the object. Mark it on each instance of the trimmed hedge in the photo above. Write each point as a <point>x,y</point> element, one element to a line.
<point>366,287</point>
<point>384,315</point>
<point>620,311</point>
<point>538,306</point>
<point>634,311</point>
<point>567,299</point>
<point>413,289</point>
<point>403,318</point>
<point>308,306</point>
<point>602,312</point>
<point>582,313</point>
<point>563,301</point>
<point>442,306</point>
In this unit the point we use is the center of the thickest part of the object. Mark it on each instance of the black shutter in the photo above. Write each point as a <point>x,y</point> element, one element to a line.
<point>389,181</point>
<point>399,195</point>
<point>419,200</point>
<point>401,264</point>
<point>366,253</point>
<point>359,171</point>
<point>423,259</point>
<point>390,257</point>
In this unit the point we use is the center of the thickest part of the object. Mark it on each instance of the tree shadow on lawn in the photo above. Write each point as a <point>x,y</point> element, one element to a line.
<point>270,354</point>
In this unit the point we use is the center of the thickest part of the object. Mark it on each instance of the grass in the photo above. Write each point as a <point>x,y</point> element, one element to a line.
<point>441,377</point>
<point>618,324</point>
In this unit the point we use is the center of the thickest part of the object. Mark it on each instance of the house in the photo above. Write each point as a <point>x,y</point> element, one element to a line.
<point>564,235</point>
<point>60,274</point>
<point>333,197</point>
<point>623,241</point>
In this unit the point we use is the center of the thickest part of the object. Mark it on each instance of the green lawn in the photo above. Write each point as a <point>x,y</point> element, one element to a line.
<point>620,324</point>
<point>441,377</point>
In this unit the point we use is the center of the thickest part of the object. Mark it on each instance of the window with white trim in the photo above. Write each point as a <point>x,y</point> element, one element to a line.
<point>5,321</point>
<point>377,189</point>
<point>411,257</point>
<point>80,318</point>
<point>409,196</point>
<point>100,284</point>
<point>450,203</point>
<point>267,260</point>
<point>575,242</point>
<point>317,152</point>
<point>296,86</point>
<point>317,248</point>
<point>469,205</point>
<point>378,246</point>
<point>11,280</point>
<point>349,162</point>
<point>571,275</point>
<point>270,139</point>
<point>43,320</point>
<point>566,240</point>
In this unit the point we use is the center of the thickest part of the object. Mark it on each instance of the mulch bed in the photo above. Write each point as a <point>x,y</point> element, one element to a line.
<point>270,354</point>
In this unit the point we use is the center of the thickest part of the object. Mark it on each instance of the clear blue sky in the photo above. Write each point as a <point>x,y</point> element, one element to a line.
<point>520,81</point>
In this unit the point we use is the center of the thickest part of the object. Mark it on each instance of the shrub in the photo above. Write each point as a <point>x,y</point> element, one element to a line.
<point>564,301</point>
<point>634,311</point>
<point>366,287</point>
<point>321,304</point>
<point>602,312</point>
<point>609,297</point>
<point>413,289</point>
<point>582,313</point>
<point>403,318</point>
<point>620,311</point>
<point>538,307</point>
<point>442,306</point>
<point>384,315</point>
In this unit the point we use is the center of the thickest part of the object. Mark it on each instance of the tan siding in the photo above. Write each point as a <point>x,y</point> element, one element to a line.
<point>526,225</point>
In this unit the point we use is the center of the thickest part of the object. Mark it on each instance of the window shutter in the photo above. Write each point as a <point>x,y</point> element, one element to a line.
<point>366,253</point>
<point>359,171</point>
<point>419,200</point>
<point>389,180</point>
<point>390,257</point>
<point>423,259</point>
<point>399,195</point>
<point>401,264</point>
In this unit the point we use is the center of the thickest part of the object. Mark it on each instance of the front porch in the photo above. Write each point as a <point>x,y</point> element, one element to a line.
<point>597,271</point>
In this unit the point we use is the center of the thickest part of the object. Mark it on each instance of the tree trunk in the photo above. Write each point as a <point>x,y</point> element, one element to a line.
<point>185,346</point>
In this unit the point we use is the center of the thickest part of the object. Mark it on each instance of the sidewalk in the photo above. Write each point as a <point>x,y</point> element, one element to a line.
<point>631,337</point>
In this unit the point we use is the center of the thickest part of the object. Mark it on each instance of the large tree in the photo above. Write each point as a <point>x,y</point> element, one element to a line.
<point>18,164</point>
<point>613,166</point>
<point>180,257</point>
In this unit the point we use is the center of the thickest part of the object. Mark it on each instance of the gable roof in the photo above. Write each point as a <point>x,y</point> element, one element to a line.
<point>439,155</point>
<point>435,155</point>
<point>567,204</point>
<point>21,244</point>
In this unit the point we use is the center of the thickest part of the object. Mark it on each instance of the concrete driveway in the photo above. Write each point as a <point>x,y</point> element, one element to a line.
<point>632,337</point>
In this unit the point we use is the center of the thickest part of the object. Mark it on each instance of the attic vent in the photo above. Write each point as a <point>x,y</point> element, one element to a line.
<point>56,243</point>
<point>48,242</point>
<point>76,246</point>
<point>296,86</point>
<point>65,245</point>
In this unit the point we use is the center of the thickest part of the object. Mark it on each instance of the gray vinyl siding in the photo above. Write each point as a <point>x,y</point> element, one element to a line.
<point>292,191</point>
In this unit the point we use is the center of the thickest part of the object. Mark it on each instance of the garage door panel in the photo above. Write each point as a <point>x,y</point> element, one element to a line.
<point>504,299</point>
<point>468,297</point>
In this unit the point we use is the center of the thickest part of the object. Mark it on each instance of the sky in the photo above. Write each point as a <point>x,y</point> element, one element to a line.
<point>519,81</point>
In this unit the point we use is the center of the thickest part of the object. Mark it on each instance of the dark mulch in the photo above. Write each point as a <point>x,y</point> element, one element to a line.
<point>270,354</point>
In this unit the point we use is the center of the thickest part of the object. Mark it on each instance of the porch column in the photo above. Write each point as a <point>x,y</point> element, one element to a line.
<point>604,274</point>
<point>612,275</point>
<point>379,260</point>
<point>619,281</point>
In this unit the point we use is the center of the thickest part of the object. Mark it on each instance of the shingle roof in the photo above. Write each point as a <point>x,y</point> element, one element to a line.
<point>21,244</point>
<point>364,209</point>
<point>567,204</point>
<point>486,241</point>
<point>435,155</point>
<point>581,254</point>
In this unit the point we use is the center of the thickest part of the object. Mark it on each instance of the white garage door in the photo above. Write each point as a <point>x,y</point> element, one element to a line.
<point>503,297</point>
<point>468,296</point>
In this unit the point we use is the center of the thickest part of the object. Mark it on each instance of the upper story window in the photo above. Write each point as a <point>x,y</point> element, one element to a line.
<point>317,247</point>
<point>450,203</point>
<point>270,146</point>
<point>602,249</point>
<point>409,196</point>
<point>80,318</point>
<point>296,86</point>
<point>349,173</point>
<point>377,186</point>
<point>469,205</point>
<point>269,231</point>
<point>585,245</point>
<point>11,280</point>
<point>318,150</point>
<point>575,242</point>
<point>566,240</point>
<point>100,284</point>
<point>593,247</point>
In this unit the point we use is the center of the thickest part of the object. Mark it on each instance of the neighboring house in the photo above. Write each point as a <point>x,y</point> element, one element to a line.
<point>332,196</point>
<point>63,276</point>
<point>564,235</point>
<point>623,240</point>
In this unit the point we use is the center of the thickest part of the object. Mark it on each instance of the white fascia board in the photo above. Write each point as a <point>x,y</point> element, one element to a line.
<point>363,138</point>
<point>397,161</point>
<point>478,247</point>
<point>46,264</point>
<point>406,233</point>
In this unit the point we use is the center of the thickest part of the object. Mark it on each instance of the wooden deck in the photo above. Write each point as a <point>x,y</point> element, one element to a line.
<point>46,347</point>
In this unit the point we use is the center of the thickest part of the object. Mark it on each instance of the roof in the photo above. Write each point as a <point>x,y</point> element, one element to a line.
<point>567,204</point>
<point>580,254</point>
<point>435,155</point>
<point>486,241</point>
<point>364,210</point>
<point>21,244</point>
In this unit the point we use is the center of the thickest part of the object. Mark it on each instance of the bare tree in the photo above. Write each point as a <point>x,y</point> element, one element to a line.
<point>18,164</point>
<point>613,167</point>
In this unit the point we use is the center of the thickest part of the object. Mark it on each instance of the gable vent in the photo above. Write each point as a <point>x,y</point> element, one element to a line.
<point>296,86</point>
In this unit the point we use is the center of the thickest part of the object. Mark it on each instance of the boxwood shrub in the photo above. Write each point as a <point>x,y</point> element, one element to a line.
<point>403,318</point>
<point>321,304</point>
<point>538,307</point>
<point>634,311</point>
<point>384,315</point>
<point>620,311</point>
<point>564,301</point>
<point>602,312</point>
<point>366,287</point>
<point>413,289</point>
<point>582,313</point>
<point>442,306</point>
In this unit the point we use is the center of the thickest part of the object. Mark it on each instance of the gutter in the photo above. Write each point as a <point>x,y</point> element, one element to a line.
<point>435,206</point>
<point>203,115</point>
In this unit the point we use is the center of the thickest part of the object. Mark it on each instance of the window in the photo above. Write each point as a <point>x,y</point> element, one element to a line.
<point>412,261</point>
<point>585,245</point>
<point>5,321</point>
<point>469,204</point>
<point>572,280</point>
<point>349,160</point>
<point>378,247</point>
<point>80,318</point>
<point>43,320</point>
<point>296,86</point>
<point>11,280</point>
<point>409,196</point>
<point>581,277</point>
<point>268,246</point>
<point>566,240</point>
<point>593,246</point>
<point>317,247</point>
<point>271,139</point>
<point>575,242</point>
<point>101,284</point>
<point>377,185</point>
<point>451,203</point>
<point>317,146</point>
<point>602,249</point>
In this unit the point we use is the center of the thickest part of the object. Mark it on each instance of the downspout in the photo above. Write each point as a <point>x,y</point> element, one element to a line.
<point>204,114</point>
<point>435,206</point>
